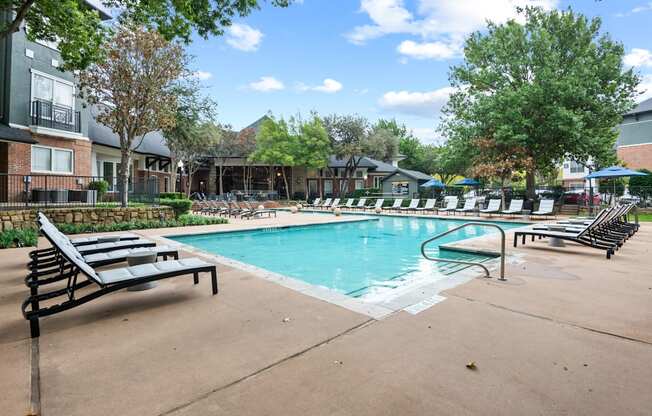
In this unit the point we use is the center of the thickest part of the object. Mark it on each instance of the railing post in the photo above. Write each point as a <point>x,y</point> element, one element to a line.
<point>502,248</point>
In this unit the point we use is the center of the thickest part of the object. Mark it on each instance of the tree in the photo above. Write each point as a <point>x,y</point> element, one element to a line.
<point>447,161</point>
<point>352,138</point>
<point>193,132</point>
<point>276,146</point>
<point>381,144</point>
<point>553,86</point>
<point>641,186</point>
<point>133,89</point>
<point>79,32</point>
<point>496,160</point>
<point>191,150</point>
<point>413,150</point>
<point>292,143</point>
<point>313,147</point>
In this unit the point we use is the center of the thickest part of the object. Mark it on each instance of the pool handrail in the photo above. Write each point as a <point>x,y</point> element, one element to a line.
<point>470,263</point>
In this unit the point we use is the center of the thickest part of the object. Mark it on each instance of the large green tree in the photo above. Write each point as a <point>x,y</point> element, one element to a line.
<point>554,86</point>
<point>292,143</point>
<point>133,90</point>
<point>352,137</point>
<point>78,30</point>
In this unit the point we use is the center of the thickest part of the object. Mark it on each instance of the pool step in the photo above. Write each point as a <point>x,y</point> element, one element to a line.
<point>450,268</point>
<point>446,269</point>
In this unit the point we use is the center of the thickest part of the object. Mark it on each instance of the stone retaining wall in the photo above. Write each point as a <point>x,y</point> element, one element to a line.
<point>27,218</point>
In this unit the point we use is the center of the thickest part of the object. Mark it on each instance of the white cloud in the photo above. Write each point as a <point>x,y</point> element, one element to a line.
<point>427,135</point>
<point>388,16</point>
<point>638,9</point>
<point>638,57</point>
<point>423,104</point>
<point>244,37</point>
<point>427,50</point>
<point>645,88</point>
<point>442,23</point>
<point>328,86</point>
<point>203,75</point>
<point>266,84</point>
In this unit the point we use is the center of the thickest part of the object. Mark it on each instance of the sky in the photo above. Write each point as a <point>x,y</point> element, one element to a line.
<point>376,58</point>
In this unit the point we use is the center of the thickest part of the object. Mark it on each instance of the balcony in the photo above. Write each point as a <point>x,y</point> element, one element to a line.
<point>52,116</point>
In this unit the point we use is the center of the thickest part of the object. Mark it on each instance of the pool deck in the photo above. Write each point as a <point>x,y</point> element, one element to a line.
<point>569,333</point>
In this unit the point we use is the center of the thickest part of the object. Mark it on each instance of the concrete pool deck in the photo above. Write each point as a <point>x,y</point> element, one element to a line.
<point>569,333</point>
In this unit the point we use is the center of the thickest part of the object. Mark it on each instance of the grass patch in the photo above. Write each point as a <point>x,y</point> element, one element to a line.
<point>27,237</point>
<point>182,221</point>
<point>646,217</point>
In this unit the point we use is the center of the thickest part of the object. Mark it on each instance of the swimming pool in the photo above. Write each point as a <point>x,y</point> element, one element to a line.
<point>352,258</point>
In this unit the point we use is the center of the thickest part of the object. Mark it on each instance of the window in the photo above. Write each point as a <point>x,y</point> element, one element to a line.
<point>52,90</point>
<point>576,167</point>
<point>378,182</point>
<point>359,173</point>
<point>328,187</point>
<point>359,184</point>
<point>400,188</point>
<point>110,171</point>
<point>166,184</point>
<point>51,160</point>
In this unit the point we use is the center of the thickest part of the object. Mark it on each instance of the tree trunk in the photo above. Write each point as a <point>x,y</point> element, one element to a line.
<point>530,185</point>
<point>285,180</point>
<point>173,175</point>
<point>244,178</point>
<point>189,182</point>
<point>123,176</point>
<point>221,172</point>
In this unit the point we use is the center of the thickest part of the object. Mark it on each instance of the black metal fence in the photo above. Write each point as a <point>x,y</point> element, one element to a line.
<point>50,191</point>
<point>50,115</point>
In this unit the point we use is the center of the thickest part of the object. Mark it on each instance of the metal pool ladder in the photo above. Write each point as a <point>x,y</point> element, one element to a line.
<point>470,263</point>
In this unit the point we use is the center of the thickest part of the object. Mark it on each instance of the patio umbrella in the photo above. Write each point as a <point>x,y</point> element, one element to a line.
<point>614,172</point>
<point>467,182</point>
<point>433,183</point>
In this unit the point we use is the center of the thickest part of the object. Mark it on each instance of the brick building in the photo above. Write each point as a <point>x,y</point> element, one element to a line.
<point>48,138</point>
<point>634,145</point>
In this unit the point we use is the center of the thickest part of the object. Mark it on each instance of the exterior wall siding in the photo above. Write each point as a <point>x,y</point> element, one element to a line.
<point>636,157</point>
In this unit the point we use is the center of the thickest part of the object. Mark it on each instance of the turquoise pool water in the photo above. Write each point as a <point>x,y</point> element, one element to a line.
<point>353,258</point>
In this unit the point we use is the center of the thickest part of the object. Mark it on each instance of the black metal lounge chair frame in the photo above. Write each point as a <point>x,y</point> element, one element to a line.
<point>609,235</point>
<point>71,273</point>
<point>68,271</point>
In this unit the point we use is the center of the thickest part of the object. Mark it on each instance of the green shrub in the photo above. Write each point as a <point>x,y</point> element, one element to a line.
<point>172,195</point>
<point>182,221</point>
<point>100,186</point>
<point>641,185</point>
<point>179,206</point>
<point>364,193</point>
<point>27,237</point>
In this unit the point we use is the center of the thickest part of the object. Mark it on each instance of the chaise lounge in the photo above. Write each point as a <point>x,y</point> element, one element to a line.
<point>108,281</point>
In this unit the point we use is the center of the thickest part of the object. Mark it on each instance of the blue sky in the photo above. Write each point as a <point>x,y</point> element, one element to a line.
<point>377,58</point>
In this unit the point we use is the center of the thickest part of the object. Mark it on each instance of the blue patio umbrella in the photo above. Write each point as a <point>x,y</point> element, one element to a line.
<point>614,172</point>
<point>467,182</point>
<point>433,183</point>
